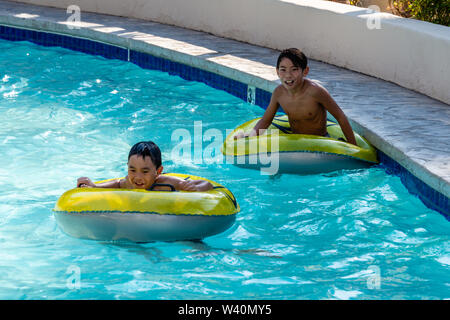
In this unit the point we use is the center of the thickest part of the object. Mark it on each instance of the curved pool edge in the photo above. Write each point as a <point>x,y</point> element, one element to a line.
<point>184,52</point>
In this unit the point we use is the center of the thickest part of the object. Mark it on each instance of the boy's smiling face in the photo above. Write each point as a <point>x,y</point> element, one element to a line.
<point>142,173</point>
<point>291,76</point>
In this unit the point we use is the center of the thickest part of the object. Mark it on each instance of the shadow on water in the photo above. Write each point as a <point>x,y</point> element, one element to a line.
<point>195,249</point>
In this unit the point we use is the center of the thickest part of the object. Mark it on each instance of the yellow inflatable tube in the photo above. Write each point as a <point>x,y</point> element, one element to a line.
<point>142,216</point>
<point>298,153</point>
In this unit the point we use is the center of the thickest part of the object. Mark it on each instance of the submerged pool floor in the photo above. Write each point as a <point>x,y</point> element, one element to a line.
<point>356,234</point>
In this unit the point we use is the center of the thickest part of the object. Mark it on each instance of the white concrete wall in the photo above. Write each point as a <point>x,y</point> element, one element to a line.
<point>413,54</point>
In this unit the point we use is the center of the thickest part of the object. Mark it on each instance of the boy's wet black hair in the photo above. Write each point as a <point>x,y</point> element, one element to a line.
<point>147,148</point>
<point>297,57</point>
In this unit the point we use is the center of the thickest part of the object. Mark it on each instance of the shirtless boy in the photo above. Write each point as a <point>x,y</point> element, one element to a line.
<point>305,102</point>
<point>144,172</point>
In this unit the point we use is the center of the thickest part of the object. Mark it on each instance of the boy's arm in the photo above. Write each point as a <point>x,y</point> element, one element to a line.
<point>195,185</point>
<point>266,119</point>
<point>188,185</point>
<point>332,107</point>
<point>85,182</point>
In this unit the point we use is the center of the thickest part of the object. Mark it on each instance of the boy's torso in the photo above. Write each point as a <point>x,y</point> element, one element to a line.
<point>306,115</point>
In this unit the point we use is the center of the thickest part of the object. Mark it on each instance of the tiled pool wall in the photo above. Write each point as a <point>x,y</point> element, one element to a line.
<point>429,196</point>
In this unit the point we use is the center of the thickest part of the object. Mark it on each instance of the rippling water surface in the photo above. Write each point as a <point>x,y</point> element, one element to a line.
<point>345,235</point>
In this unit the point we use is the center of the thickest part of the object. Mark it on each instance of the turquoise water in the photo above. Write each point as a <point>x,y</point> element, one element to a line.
<point>344,235</point>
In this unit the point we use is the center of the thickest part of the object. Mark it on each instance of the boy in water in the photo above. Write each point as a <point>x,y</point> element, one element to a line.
<point>144,172</point>
<point>305,102</point>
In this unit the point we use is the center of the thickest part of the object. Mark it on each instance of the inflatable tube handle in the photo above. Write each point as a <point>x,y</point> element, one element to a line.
<point>172,188</point>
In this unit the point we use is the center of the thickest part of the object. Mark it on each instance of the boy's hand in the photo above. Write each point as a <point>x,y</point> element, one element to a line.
<point>242,134</point>
<point>85,182</point>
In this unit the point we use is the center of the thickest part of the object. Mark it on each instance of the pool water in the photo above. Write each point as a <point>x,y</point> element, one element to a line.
<point>355,234</point>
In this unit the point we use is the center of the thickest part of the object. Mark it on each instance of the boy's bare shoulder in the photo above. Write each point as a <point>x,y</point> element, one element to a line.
<point>277,93</point>
<point>315,84</point>
<point>315,88</point>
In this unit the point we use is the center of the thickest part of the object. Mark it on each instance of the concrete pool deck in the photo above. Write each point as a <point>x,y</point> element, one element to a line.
<point>409,127</point>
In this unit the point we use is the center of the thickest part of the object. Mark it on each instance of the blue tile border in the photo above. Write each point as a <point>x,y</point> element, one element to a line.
<point>262,98</point>
<point>68,42</point>
<point>186,72</point>
<point>430,197</point>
